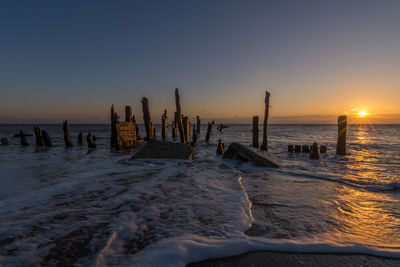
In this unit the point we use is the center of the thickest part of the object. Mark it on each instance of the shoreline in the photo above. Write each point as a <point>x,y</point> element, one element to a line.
<point>272,258</point>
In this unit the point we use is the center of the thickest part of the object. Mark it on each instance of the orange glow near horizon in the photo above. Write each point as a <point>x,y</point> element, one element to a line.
<point>362,113</point>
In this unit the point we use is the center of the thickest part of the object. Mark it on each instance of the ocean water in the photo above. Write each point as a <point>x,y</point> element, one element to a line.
<point>97,207</point>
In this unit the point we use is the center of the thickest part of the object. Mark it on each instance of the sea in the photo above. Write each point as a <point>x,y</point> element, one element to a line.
<point>97,207</point>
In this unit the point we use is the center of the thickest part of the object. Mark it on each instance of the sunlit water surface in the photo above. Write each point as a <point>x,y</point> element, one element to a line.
<point>97,207</point>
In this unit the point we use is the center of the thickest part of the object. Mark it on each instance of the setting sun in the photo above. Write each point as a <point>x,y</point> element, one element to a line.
<point>362,113</point>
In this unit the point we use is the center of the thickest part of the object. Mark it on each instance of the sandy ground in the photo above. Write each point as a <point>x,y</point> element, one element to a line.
<point>298,259</point>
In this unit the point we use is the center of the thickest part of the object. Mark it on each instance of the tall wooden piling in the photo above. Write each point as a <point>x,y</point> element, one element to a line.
<point>164,126</point>
<point>198,124</point>
<point>209,129</point>
<point>128,114</point>
<point>194,136</point>
<point>179,117</point>
<point>341,141</point>
<point>255,132</point>
<point>39,138</point>
<point>114,135</point>
<point>24,141</point>
<point>264,145</point>
<point>67,138</point>
<point>46,139</point>
<point>186,128</point>
<point>147,120</point>
<point>175,125</point>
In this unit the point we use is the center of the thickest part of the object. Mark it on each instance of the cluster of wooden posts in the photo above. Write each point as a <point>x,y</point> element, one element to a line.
<point>44,139</point>
<point>313,149</point>
<point>264,145</point>
<point>125,135</point>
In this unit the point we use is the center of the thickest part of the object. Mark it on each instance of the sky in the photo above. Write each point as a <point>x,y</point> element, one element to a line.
<point>318,59</point>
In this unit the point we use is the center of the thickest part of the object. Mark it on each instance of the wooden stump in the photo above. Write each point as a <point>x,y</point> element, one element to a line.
<point>24,142</point>
<point>306,149</point>
<point>46,139</point>
<point>220,148</point>
<point>290,148</point>
<point>194,137</point>
<point>67,138</point>
<point>179,117</point>
<point>198,125</point>
<point>154,132</point>
<point>39,138</point>
<point>147,120</point>
<point>114,121</point>
<point>209,130</point>
<point>264,145</point>
<point>297,148</point>
<point>4,141</point>
<point>186,128</point>
<point>314,154</point>
<point>164,126</point>
<point>255,132</point>
<point>341,141</point>
<point>90,141</point>
<point>322,149</point>
<point>80,139</point>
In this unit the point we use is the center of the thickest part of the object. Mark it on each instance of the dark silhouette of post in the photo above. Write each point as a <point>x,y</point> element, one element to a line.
<point>4,141</point>
<point>80,139</point>
<point>179,117</point>
<point>164,126</point>
<point>46,139</point>
<point>67,138</point>
<point>24,141</point>
<point>220,148</point>
<point>264,145</point>
<point>39,138</point>
<point>128,114</point>
<point>147,120</point>
<point>341,141</point>
<point>90,141</point>
<point>186,128</point>
<point>194,137</point>
<point>314,154</point>
<point>209,130</point>
<point>255,132</point>
<point>175,125</point>
<point>198,125</point>
<point>114,135</point>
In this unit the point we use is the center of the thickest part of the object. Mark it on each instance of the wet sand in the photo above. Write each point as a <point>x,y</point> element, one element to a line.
<point>266,258</point>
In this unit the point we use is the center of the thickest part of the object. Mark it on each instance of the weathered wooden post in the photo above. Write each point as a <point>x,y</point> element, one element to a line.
<point>255,132</point>
<point>147,119</point>
<point>154,131</point>
<point>4,141</point>
<point>24,142</point>
<point>46,139</point>
<point>314,154</point>
<point>209,129</point>
<point>220,148</point>
<point>322,149</point>
<point>305,148</point>
<point>128,114</point>
<point>67,138</point>
<point>39,138</point>
<point>186,128</point>
<point>264,145</point>
<point>114,135</point>
<point>80,139</point>
<point>175,125</point>
<point>179,117</point>
<point>297,148</point>
<point>90,141</point>
<point>290,148</point>
<point>341,141</point>
<point>194,137</point>
<point>164,126</point>
<point>198,124</point>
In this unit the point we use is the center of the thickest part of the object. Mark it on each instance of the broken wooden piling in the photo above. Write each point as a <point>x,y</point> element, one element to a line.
<point>290,148</point>
<point>264,145</point>
<point>220,148</point>
<point>128,114</point>
<point>90,141</point>
<point>80,139</point>
<point>305,149</point>
<point>341,141</point>
<point>67,138</point>
<point>186,128</point>
<point>314,153</point>
<point>198,125</point>
<point>147,120</point>
<point>322,149</point>
<point>179,117</point>
<point>255,132</point>
<point>174,125</point>
<point>164,126</point>
<point>209,130</point>
<point>194,136</point>
<point>114,135</point>
<point>46,139</point>
<point>24,141</point>
<point>297,148</point>
<point>39,138</point>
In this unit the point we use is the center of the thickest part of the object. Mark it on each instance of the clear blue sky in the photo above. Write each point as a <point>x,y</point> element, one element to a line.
<point>73,59</point>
